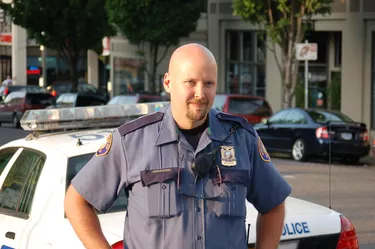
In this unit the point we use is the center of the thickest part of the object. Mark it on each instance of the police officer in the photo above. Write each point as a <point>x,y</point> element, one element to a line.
<point>188,171</point>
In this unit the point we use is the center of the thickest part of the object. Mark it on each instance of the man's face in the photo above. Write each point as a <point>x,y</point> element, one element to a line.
<point>192,86</point>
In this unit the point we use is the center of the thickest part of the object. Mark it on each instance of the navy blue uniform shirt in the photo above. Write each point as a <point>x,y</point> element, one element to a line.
<point>167,208</point>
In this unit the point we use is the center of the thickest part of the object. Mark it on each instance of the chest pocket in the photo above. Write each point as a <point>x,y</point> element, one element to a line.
<point>162,198</point>
<point>232,200</point>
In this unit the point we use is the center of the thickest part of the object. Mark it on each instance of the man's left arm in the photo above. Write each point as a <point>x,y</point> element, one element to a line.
<point>269,227</point>
<point>267,192</point>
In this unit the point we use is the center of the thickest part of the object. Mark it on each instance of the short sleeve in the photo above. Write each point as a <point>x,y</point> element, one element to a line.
<point>101,180</point>
<point>268,188</point>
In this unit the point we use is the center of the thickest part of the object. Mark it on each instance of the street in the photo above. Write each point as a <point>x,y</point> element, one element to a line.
<point>352,187</point>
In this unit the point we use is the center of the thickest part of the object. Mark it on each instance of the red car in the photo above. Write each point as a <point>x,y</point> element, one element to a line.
<point>253,108</point>
<point>16,103</point>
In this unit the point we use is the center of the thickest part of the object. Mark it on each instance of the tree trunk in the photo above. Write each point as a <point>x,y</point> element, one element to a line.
<point>153,66</point>
<point>73,73</point>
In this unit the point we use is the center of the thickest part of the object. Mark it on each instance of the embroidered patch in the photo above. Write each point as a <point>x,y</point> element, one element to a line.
<point>105,147</point>
<point>228,157</point>
<point>263,152</point>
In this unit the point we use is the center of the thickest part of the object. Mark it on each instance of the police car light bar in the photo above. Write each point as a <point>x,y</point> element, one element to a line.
<point>86,117</point>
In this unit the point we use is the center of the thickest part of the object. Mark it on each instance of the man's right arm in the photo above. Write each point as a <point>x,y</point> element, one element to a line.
<point>84,220</point>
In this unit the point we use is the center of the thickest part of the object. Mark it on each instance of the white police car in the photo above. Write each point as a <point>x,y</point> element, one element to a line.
<point>35,172</point>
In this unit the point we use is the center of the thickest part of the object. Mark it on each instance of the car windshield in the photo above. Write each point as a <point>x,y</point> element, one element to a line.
<point>123,100</point>
<point>324,117</point>
<point>75,164</point>
<point>248,106</point>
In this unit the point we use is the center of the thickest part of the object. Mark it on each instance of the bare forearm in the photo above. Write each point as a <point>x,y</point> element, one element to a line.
<point>269,228</point>
<point>84,221</point>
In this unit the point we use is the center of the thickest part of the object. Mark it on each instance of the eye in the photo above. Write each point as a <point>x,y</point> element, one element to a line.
<point>209,83</point>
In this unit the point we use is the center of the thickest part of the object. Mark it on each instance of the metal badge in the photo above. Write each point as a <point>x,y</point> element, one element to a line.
<point>263,152</point>
<point>228,157</point>
<point>104,148</point>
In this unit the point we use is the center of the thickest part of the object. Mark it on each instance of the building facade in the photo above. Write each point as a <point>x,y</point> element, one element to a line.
<point>346,41</point>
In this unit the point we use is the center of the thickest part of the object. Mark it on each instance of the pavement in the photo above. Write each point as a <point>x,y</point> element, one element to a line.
<point>368,160</point>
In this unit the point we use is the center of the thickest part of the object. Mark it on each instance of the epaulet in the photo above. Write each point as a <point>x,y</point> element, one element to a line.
<point>240,120</point>
<point>140,122</point>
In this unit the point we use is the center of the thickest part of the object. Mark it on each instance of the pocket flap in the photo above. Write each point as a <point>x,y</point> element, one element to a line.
<point>149,177</point>
<point>232,176</point>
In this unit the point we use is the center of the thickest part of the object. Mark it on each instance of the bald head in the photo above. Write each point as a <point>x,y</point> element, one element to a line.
<point>191,81</point>
<point>190,53</point>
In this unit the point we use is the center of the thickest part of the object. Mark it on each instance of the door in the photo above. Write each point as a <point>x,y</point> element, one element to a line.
<point>18,184</point>
<point>12,103</point>
<point>290,128</point>
<point>273,128</point>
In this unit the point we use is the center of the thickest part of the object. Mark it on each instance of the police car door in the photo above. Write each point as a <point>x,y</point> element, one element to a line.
<point>18,182</point>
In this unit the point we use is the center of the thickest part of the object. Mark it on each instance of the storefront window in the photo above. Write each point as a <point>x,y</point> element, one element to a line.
<point>245,63</point>
<point>128,76</point>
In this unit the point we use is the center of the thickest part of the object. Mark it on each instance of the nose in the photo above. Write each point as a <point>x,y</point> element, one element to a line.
<point>199,91</point>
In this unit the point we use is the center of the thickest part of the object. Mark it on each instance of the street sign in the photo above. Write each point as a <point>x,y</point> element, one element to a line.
<point>307,51</point>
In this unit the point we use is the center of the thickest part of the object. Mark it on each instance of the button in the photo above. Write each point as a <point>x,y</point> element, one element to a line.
<point>198,209</point>
<point>199,237</point>
<point>163,186</point>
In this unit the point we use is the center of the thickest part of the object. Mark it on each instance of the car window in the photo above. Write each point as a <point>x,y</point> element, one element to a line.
<point>124,100</point>
<point>248,106</point>
<point>14,98</point>
<point>38,99</point>
<point>5,156</point>
<point>219,102</point>
<point>75,164</point>
<point>86,88</point>
<point>296,117</point>
<point>17,192</point>
<point>279,118</point>
<point>323,117</point>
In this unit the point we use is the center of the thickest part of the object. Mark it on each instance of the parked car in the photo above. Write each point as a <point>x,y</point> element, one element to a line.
<point>77,100</point>
<point>36,171</point>
<point>134,99</point>
<point>5,90</point>
<point>16,103</point>
<point>253,108</point>
<point>59,88</point>
<point>314,132</point>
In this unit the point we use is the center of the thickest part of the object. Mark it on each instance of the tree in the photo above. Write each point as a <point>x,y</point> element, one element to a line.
<point>155,23</point>
<point>285,23</point>
<point>70,27</point>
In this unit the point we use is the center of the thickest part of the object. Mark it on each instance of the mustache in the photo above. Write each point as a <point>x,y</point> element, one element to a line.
<point>201,102</point>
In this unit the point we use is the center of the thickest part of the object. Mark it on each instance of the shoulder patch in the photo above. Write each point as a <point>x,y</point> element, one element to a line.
<point>105,147</point>
<point>140,122</point>
<point>240,120</point>
<point>263,152</point>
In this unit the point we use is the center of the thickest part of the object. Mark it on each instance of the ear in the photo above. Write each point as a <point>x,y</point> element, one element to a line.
<point>167,83</point>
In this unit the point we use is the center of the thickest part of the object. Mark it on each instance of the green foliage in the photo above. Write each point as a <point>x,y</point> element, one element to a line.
<point>156,23</point>
<point>68,26</point>
<point>153,21</point>
<point>276,15</point>
<point>334,91</point>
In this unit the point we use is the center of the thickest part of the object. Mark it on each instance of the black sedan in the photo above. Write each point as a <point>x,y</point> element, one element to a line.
<point>314,132</point>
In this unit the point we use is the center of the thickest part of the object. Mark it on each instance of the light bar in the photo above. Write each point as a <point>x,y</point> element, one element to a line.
<point>86,117</point>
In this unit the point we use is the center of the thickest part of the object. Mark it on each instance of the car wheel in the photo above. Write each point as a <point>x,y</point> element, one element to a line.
<point>299,150</point>
<point>15,122</point>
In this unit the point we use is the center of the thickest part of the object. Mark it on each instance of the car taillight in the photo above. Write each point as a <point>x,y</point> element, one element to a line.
<point>364,136</point>
<point>6,91</point>
<point>322,132</point>
<point>53,93</point>
<point>118,245</point>
<point>348,238</point>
